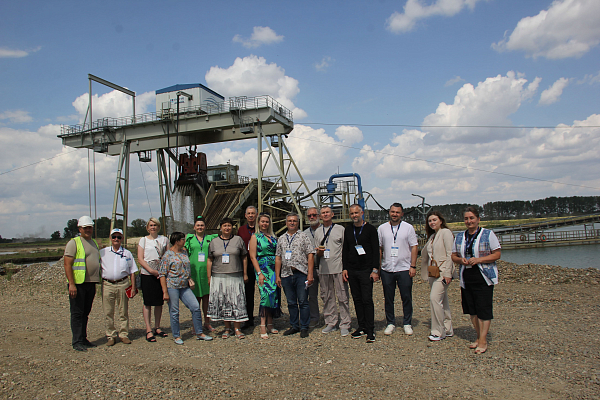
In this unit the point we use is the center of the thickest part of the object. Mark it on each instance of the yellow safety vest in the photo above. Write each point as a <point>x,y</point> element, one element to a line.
<point>79,262</point>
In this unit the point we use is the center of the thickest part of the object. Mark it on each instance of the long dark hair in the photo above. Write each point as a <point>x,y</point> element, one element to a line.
<point>428,229</point>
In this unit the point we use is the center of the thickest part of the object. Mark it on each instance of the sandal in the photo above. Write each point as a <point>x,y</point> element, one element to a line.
<point>480,350</point>
<point>272,330</point>
<point>151,338</point>
<point>161,333</point>
<point>240,335</point>
<point>226,334</point>
<point>264,335</point>
<point>473,345</point>
<point>209,328</point>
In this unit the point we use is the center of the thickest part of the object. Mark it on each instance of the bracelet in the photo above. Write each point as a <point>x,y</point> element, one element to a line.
<point>412,266</point>
<point>375,270</point>
<point>259,273</point>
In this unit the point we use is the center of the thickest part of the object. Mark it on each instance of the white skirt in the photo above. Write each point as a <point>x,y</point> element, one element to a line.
<point>227,299</point>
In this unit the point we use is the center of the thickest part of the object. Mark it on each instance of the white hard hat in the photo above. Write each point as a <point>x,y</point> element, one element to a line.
<point>85,221</point>
<point>116,230</point>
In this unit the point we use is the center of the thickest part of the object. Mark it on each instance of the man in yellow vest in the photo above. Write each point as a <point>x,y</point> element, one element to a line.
<point>82,266</point>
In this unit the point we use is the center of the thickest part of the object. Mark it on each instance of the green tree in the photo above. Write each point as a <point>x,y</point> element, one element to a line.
<point>138,228</point>
<point>71,230</point>
<point>103,226</point>
<point>55,235</point>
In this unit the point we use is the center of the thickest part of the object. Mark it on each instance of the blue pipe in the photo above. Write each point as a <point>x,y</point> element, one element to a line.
<point>331,186</point>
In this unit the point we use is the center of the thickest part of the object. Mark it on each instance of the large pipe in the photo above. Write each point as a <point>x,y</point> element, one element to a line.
<point>331,186</point>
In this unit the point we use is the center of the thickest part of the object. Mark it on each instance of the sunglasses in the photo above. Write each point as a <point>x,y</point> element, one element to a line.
<point>117,237</point>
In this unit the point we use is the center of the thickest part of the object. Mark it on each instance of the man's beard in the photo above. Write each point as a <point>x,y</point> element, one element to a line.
<point>314,224</point>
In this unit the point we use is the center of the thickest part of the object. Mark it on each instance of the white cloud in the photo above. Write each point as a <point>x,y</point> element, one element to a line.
<point>114,104</point>
<point>590,78</point>
<point>252,76</point>
<point>11,53</point>
<point>260,35</point>
<point>491,102</point>
<point>16,116</point>
<point>569,28</point>
<point>414,11</point>
<point>349,135</point>
<point>324,64</point>
<point>552,94</point>
<point>454,80</point>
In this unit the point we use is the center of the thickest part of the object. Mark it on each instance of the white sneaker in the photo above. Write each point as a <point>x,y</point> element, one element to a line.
<point>389,329</point>
<point>408,329</point>
<point>329,329</point>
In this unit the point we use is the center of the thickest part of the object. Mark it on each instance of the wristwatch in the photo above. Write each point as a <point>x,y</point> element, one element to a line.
<point>412,266</point>
<point>375,270</point>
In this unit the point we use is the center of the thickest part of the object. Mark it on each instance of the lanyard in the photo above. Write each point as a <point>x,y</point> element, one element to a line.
<point>201,243</point>
<point>251,230</point>
<point>470,240</point>
<point>291,241</point>
<point>225,245</point>
<point>326,236</point>
<point>395,234</point>
<point>121,252</point>
<point>312,232</point>
<point>354,231</point>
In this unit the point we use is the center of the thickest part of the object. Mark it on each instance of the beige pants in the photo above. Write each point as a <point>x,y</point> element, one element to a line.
<point>441,319</point>
<point>333,285</point>
<point>115,301</point>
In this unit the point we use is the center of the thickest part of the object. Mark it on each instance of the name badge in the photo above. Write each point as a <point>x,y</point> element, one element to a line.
<point>394,252</point>
<point>326,253</point>
<point>225,258</point>
<point>201,257</point>
<point>288,254</point>
<point>360,250</point>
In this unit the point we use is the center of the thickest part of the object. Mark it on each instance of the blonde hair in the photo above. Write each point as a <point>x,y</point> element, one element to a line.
<point>265,215</point>
<point>152,219</point>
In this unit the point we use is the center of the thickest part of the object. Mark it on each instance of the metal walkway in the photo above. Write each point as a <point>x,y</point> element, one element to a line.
<point>542,226</point>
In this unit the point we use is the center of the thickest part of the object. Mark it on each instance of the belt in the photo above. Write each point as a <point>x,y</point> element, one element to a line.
<point>117,281</point>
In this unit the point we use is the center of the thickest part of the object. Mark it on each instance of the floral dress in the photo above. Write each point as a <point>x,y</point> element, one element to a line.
<point>269,292</point>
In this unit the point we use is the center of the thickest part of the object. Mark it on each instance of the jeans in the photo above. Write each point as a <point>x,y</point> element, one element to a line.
<point>402,279</point>
<point>189,300</point>
<point>297,298</point>
<point>361,287</point>
<point>81,306</point>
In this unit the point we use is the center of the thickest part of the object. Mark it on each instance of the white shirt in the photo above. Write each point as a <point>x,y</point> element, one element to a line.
<point>403,237</point>
<point>117,265</point>
<point>153,251</point>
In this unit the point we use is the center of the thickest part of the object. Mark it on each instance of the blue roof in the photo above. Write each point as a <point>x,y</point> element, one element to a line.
<point>178,87</point>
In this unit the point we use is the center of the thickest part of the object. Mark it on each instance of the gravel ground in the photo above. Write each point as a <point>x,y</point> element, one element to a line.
<point>543,344</point>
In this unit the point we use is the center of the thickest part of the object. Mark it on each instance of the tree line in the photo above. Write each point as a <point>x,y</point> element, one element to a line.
<point>137,228</point>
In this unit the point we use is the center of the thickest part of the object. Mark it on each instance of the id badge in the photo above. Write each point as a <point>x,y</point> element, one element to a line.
<point>225,258</point>
<point>201,257</point>
<point>360,250</point>
<point>394,252</point>
<point>326,253</point>
<point>288,254</point>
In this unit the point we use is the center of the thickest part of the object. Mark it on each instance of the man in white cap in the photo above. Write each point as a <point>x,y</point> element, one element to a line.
<point>118,273</point>
<point>82,267</point>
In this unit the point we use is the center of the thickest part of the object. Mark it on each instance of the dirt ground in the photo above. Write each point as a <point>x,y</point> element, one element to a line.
<point>543,344</point>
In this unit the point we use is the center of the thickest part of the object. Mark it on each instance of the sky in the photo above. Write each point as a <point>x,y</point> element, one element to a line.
<point>459,101</point>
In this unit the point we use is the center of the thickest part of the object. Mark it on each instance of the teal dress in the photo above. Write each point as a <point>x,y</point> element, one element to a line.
<point>198,268</point>
<point>269,292</point>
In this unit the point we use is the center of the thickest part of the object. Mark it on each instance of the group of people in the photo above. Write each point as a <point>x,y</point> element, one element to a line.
<point>210,275</point>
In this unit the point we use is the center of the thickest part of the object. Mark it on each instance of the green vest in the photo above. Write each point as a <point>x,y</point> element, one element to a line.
<point>79,262</point>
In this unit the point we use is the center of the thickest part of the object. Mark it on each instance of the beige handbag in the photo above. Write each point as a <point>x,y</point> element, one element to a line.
<point>433,269</point>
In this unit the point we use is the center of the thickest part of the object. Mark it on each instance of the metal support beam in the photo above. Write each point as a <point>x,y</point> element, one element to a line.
<point>164,188</point>
<point>121,190</point>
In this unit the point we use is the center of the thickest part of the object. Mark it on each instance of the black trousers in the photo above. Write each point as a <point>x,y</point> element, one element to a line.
<point>250,288</point>
<point>81,306</point>
<point>361,287</point>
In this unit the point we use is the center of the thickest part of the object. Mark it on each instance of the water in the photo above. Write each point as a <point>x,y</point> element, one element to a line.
<point>583,256</point>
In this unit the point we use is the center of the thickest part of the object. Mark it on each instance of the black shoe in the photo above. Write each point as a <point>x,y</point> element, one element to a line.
<point>370,338</point>
<point>79,347</point>
<point>87,343</point>
<point>291,331</point>
<point>357,334</point>
<point>304,333</point>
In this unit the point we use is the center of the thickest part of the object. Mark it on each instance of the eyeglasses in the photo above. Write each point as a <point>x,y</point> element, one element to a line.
<point>312,215</point>
<point>117,237</point>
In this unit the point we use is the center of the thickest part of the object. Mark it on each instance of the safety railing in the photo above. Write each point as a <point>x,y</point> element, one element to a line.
<point>556,236</point>
<point>233,103</point>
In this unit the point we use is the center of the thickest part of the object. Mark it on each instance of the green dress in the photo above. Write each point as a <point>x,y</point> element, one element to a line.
<point>198,268</point>
<point>269,292</point>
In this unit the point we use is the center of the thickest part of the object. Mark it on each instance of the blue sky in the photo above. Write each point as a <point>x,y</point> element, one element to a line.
<point>345,64</point>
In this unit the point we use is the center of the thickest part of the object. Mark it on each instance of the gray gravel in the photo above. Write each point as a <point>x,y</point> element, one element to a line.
<point>543,345</point>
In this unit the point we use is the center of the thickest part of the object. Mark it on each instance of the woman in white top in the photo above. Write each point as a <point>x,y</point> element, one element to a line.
<point>438,252</point>
<point>150,250</point>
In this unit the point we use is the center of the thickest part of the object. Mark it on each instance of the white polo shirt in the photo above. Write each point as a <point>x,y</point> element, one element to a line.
<point>117,265</point>
<point>403,237</point>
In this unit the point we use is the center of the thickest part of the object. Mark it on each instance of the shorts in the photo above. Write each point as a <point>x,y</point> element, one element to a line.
<point>477,299</point>
<point>152,291</point>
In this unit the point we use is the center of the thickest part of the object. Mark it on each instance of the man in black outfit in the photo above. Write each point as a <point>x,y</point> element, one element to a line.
<point>246,232</point>
<point>360,257</point>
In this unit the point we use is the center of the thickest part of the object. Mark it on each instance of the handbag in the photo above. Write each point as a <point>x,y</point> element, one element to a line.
<point>433,269</point>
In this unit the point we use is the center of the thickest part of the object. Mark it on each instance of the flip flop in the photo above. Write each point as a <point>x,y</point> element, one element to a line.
<point>480,350</point>
<point>151,338</point>
<point>473,346</point>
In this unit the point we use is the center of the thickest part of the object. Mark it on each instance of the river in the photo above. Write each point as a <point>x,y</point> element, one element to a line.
<point>583,256</point>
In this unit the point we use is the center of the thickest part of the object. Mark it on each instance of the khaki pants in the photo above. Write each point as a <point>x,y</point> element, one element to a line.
<point>333,285</point>
<point>441,319</point>
<point>115,301</point>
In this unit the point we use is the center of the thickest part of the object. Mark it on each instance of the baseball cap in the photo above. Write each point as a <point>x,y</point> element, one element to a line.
<point>116,230</point>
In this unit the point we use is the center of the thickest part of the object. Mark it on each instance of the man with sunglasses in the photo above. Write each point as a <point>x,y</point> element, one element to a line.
<point>118,273</point>
<point>313,291</point>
